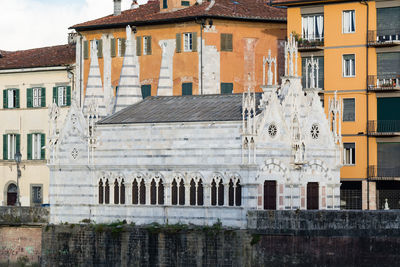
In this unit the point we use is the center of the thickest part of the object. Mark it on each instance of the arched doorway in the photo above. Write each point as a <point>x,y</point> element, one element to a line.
<point>12,195</point>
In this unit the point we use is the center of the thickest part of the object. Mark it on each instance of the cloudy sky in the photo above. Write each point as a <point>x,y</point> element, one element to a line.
<point>26,24</point>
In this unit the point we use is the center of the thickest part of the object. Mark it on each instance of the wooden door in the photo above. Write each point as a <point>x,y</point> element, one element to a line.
<point>270,195</point>
<point>312,196</point>
<point>11,199</point>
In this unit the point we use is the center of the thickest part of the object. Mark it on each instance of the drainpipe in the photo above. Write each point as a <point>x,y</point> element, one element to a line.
<point>80,70</point>
<point>367,111</point>
<point>201,57</point>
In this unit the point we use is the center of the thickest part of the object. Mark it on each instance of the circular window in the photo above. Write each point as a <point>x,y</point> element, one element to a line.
<point>272,130</point>
<point>315,131</point>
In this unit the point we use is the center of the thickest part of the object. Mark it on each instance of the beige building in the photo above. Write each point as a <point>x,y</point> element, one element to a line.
<point>30,81</point>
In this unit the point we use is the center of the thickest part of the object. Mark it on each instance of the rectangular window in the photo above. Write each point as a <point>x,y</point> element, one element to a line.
<point>35,147</point>
<point>226,88</point>
<point>121,47</point>
<point>37,97</point>
<point>388,24</point>
<point>165,3</point>
<point>349,153</point>
<point>349,109</point>
<point>146,45</point>
<point>313,27</point>
<point>186,88</point>
<point>185,3</point>
<point>11,98</point>
<point>62,95</point>
<point>349,65</point>
<point>349,21</point>
<point>304,71</point>
<point>11,145</point>
<point>226,42</point>
<point>36,195</point>
<point>146,90</point>
<point>188,42</point>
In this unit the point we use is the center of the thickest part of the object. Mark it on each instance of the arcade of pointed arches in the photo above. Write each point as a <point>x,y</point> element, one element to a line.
<point>179,187</point>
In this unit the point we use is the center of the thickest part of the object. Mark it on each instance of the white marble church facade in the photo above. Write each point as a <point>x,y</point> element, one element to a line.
<point>196,159</point>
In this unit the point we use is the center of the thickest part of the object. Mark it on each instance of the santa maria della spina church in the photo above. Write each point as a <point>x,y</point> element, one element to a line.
<point>197,158</point>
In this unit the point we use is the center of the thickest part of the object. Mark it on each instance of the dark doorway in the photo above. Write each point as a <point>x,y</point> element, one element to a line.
<point>270,195</point>
<point>312,196</point>
<point>11,195</point>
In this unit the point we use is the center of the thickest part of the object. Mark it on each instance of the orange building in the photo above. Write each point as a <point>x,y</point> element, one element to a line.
<point>357,44</point>
<point>184,47</point>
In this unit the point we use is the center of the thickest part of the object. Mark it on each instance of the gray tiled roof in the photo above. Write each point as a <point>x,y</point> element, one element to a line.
<point>157,109</point>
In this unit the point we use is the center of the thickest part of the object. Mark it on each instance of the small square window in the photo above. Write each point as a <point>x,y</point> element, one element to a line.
<point>349,153</point>
<point>187,89</point>
<point>188,42</point>
<point>349,21</point>
<point>349,66</point>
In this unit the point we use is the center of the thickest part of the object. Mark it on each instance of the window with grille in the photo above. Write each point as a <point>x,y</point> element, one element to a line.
<point>36,194</point>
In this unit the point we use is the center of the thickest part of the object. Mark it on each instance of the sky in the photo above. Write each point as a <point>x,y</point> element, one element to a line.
<point>26,24</point>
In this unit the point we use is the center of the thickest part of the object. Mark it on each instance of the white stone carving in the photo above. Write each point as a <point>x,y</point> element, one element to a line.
<point>291,57</point>
<point>312,77</point>
<point>165,82</point>
<point>271,76</point>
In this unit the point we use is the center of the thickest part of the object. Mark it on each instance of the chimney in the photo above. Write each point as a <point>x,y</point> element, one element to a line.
<point>117,7</point>
<point>134,4</point>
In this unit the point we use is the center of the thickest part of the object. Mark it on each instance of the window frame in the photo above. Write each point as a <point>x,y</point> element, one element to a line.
<point>188,40</point>
<point>344,66</point>
<point>62,96</point>
<point>36,99</point>
<point>355,108</point>
<point>314,38</point>
<point>36,146</point>
<point>224,42</point>
<point>11,143</point>
<point>32,186</point>
<point>343,20</point>
<point>146,40</point>
<point>119,47</point>
<point>352,159</point>
<point>13,98</point>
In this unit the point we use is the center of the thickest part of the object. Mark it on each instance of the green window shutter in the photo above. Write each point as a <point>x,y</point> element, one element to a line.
<point>29,141</point>
<point>16,98</point>
<point>85,50</point>
<point>186,88</point>
<point>42,144</point>
<point>226,88</point>
<point>113,51</point>
<point>5,99</point>
<point>178,43</point>
<point>29,97</point>
<point>223,42</point>
<point>146,90</point>
<point>100,48</point>
<point>43,100</point>
<point>229,42</point>
<point>123,46</point>
<point>194,41</point>
<point>68,95</point>
<point>55,95</point>
<point>138,46</point>
<point>149,45</point>
<point>18,145</point>
<point>5,146</point>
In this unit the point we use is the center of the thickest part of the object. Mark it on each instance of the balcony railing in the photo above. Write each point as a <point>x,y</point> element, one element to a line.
<point>311,42</point>
<point>384,127</point>
<point>384,38</point>
<point>383,173</point>
<point>384,83</point>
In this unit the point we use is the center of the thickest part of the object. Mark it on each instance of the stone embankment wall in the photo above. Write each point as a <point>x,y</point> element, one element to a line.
<point>273,238</point>
<point>21,235</point>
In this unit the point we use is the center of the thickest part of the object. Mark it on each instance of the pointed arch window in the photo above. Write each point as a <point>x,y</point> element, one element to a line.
<point>142,191</point>
<point>181,193</point>
<point>231,193</point>
<point>220,193</point>
<point>160,192</point>
<point>200,194</point>
<point>107,193</point>
<point>101,192</point>
<point>192,193</point>
<point>153,193</point>
<point>174,190</point>
<point>116,192</point>
<point>238,194</point>
<point>135,192</point>
<point>122,193</point>
<point>213,193</point>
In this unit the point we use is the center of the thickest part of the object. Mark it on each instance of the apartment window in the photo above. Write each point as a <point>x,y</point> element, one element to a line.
<point>226,88</point>
<point>349,21</point>
<point>36,142</point>
<point>349,109</point>
<point>36,195</point>
<point>349,153</point>
<point>11,98</point>
<point>11,144</point>
<point>226,42</point>
<point>313,27</point>
<point>146,45</point>
<point>146,90</point>
<point>121,47</point>
<point>186,88</point>
<point>36,97</point>
<point>188,42</point>
<point>99,44</point>
<point>349,66</point>
<point>62,95</point>
<point>165,3</point>
<point>304,71</point>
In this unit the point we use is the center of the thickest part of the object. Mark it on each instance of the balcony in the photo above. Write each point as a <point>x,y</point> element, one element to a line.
<point>386,83</point>
<point>383,173</point>
<point>311,43</point>
<point>384,128</point>
<point>384,38</point>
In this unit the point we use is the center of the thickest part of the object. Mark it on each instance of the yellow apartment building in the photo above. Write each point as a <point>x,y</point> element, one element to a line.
<point>209,47</point>
<point>30,81</point>
<point>357,44</point>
